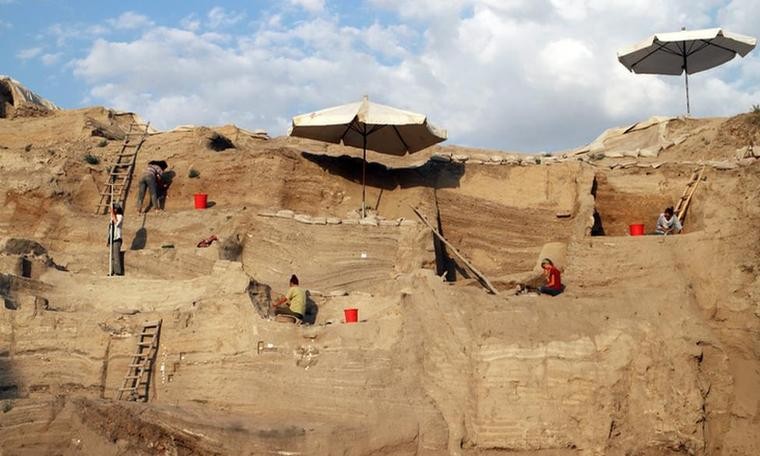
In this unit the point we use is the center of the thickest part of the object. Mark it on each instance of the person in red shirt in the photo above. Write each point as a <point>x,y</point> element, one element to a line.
<point>553,285</point>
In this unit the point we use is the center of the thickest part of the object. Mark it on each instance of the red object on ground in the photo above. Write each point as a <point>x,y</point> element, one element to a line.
<point>201,199</point>
<point>352,315</point>
<point>636,229</point>
<point>208,241</point>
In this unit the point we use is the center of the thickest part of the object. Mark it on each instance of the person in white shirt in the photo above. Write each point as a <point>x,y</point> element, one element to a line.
<point>668,223</point>
<point>114,235</point>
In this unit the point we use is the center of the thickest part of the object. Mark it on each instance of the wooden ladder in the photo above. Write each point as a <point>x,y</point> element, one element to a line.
<point>137,381</point>
<point>691,187</point>
<point>120,176</point>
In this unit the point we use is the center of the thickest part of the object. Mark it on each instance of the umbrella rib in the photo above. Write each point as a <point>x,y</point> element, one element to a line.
<point>345,132</point>
<point>406,147</point>
<point>693,51</point>
<point>710,43</point>
<point>661,46</point>
<point>376,128</point>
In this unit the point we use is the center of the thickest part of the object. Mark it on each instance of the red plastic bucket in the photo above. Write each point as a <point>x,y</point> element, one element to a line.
<point>636,229</point>
<point>352,315</point>
<point>201,199</point>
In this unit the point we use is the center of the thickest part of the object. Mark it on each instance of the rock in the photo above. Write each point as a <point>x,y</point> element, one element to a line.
<point>332,221</point>
<point>267,213</point>
<point>747,161</point>
<point>231,248</point>
<point>302,218</point>
<point>631,153</point>
<point>564,214</point>
<point>496,158</point>
<point>388,222</point>
<point>613,154</point>
<point>650,152</point>
<point>368,221</point>
<point>350,221</point>
<point>461,158</point>
<point>336,293</point>
<point>657,165</point>
<point>318,221</point>
<point>724,165</point>
<point>474,162</point>
<point>407,222</point>
<point>441,157</point>
<point>16,246</point>
<point>285,213</point>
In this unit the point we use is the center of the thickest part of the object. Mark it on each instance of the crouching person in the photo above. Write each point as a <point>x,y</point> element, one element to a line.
<point>294,302</point>
<point>552,275</point>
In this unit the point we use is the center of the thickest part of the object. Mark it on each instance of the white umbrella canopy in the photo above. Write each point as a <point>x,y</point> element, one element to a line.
<point>371,126</point>
<point>687,51</point>
<point>386,129</point>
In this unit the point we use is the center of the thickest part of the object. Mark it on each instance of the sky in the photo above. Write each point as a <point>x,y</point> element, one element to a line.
<point>525,75</point>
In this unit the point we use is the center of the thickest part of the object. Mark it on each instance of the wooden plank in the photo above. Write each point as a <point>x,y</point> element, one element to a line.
<point>483,278</point>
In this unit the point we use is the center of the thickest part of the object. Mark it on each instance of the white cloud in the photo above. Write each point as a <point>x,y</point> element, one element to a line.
<point>29,53</point>
<point>129,20</point>
<point>51,59</point>
<point>219,17</point>
<point>5,25</point>
<point>512,74</point>
<point>191,23</point>
<point>314,6</point>
<point>63,33</point>
<point>740,16</point>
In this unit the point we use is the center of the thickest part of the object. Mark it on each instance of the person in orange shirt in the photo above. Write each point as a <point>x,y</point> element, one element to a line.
<point>553,285</point>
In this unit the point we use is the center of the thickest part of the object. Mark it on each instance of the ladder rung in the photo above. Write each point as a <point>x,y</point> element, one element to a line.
<point>144,344</point>
<point>139,365</point>
<point>134,388</point>
<point>151,323</point>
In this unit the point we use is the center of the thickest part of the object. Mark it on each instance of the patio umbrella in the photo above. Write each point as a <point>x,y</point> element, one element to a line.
<point>687,52</point>
<point>370,126</point>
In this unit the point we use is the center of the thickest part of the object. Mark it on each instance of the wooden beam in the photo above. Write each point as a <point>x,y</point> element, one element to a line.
<point>682,213</point>
<point>483,279</point>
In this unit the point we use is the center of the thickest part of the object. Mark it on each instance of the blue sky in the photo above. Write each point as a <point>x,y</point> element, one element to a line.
<point>528,75</point>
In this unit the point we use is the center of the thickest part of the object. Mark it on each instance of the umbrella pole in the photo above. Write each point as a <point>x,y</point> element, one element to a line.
<point>686,80</point>
<point>364,172</point>
<point>111,232</point>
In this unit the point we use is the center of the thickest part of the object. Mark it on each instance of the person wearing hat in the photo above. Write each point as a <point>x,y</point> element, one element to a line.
<point>294,302</point>
<point>553,285</point>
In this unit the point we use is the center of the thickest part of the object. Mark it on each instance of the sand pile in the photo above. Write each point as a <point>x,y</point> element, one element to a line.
<point>651,350</point>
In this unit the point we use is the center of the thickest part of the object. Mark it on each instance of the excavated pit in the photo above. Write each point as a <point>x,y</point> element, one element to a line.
<point>639,197</point>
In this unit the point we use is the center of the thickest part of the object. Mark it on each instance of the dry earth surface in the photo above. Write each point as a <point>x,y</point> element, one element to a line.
<point>654,349</point>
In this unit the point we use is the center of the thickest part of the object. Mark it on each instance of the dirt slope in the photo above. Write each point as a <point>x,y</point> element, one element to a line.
<point>653,349</point>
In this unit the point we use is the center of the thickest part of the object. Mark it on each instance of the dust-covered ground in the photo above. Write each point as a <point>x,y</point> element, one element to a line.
<point>653,349</point>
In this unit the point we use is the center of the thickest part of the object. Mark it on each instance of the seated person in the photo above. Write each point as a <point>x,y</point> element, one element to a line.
<point>294,302</point>
<point>553,285</point>
<point>668,223</point>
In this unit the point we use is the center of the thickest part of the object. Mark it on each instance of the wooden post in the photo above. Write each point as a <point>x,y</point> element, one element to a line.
<point>483,279</point>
